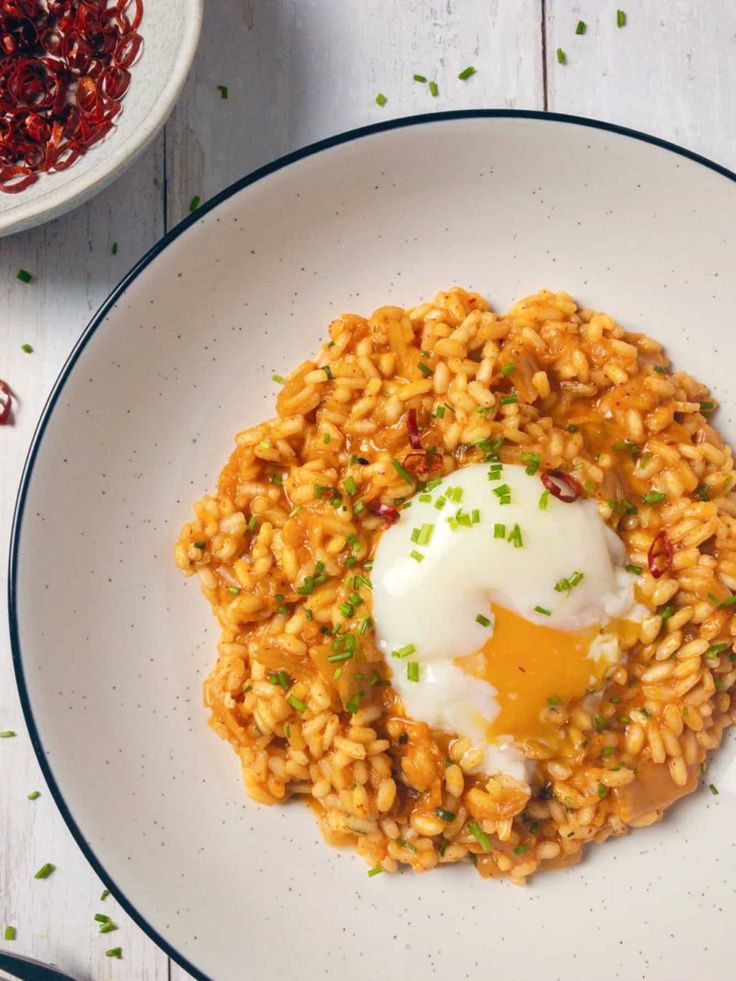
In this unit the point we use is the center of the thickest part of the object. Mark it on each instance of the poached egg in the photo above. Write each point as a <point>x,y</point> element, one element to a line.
<point>493,600</point>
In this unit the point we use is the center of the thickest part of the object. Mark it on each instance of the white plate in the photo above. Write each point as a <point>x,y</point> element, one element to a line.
<point>111,644</point>
<point>170,31</point>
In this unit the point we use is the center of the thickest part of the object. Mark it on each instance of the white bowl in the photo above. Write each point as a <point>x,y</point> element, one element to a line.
<point>111,644</point>
<point>170,31</point>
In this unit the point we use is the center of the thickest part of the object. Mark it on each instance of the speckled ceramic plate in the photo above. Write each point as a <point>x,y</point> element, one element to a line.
<point>111,644</point>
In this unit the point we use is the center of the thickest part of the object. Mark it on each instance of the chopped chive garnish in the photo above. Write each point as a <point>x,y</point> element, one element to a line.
<point>381,100</point>
<point>620,18</point>
<point>532,461</point>
<point>499,531</point>
<point>553,700</point>
<point>116,952</point>
<point>45,871</point>
<point>509,399</point>
<point>425,534</point>
<point>479,834</point>
<point>417,556</point>
<point>412,671</point>
<point>296,703</point>
<point>599,722</point>
<point>713,789</point>
<point>34,795</point>
<point>328,371</point>
<point>572,428</point>
<point>434,89</point>
<point>27,348</point>
<point>561,59</point>
<point>114,248</point>
<point>707,406</point>
<point>507,369</point>
<point>102,918</point>
<point>608,751</point>
<point>425,498</point>
<point>105,893</point>
<point>703,492</point>
<point>503,491</point>
<point>729,601</point>
<point>440,411</point>
<point>654,497</point>
<point>543,610</point>
<point>7,734</point>
<point>425,369</point>
<point>623,506</point>
<point>580,29</point>
<point>251,522</point>
<point>336,658</point>
<point>444,815</point>
<point>195,203</point>
<point>483,620</point>
<point>466,73</point>
<point>402,471</point>
<point>715,649</point>
<point>544,500</point>
<point>569,582</point>
<point>602,790</point>
<point>279,379</point>
<point>515,537</point>
<point>635,570</point>
<point>349,485</point>
<point>666,612</point>
<point>222,89</point>
<point>404,651</point>
<point>475,516</point>
<point>9,933</point>
<point>660,370</point>
<point>280,678</point>
<point>629,447</point>
<point>406,844</point>
<point>420,78</point>
<point>376,871</point>
<point>24,276</point>
<point>365,624</point>
<point>520,849</point>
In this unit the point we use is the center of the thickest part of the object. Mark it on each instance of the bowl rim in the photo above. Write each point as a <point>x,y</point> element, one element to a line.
<point>66,195</point>
<point>98,320</point>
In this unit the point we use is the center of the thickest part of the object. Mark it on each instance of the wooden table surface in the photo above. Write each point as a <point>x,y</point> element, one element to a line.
<point>298,71</point>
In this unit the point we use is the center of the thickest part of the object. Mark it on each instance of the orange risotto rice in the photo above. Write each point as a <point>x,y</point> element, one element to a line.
<point>283,552</point>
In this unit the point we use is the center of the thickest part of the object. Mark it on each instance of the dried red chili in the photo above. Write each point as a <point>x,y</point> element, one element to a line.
<point>423,463</point>
<point>390,515</point>
<point>412,428</point>
<point>64,67</point>
<point>6,403</point>
<point>562,485</point>
<point>659,557</point>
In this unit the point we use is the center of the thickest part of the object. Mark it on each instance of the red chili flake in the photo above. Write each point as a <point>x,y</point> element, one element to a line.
<point>659,557</point>
<point>423,463</point>
<point>390,515</point>
<point>562,485</point>
<point>412,428</point>
<point>6,403</point>
<point>63,71</point>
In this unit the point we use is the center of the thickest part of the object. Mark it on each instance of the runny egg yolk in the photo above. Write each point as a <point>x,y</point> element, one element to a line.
<point>533,667</point>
